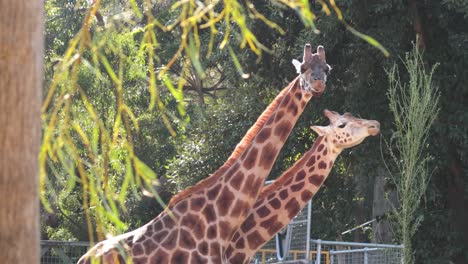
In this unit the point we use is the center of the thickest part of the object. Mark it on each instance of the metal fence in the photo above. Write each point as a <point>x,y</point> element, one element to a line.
<point>62,252</point>
<point>321,252</point>
<point>337,252</point>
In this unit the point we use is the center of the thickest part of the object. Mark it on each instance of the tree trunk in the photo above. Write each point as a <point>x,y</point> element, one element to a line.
<point>21,52</point>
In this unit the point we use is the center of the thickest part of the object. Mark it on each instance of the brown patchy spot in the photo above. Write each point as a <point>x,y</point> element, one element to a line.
<point>212,232</point>
<point>255,240</point>
<point>306,195</point>
<point>279,116</point>
<point>196,204</point>
<point>157,226</point>
<point>224,201</point>
<point>213,192</point>
<point>263,211</point>
<point>272,225</point>
<point>236,181</point>
<point>251,158</point>
<point>283,129</point>
<point>225,229</point>
<point>334,141</point>
<point>238,258</point>
<point>330,164</point>
<point>180,257</point>
<point>322,165</point>
<point>320,147</point>
<point>275,203</point>
<point>137,250</point>
<point>293,208</point>
<point>300,175</point>
<point>170,241</point>
<point>186,240</point>
<point>248,224</point>
<point>209,213</point>
<point>316,179</point>
<point>325,151</point>
<point>159,257</point>
<point>293,109</point>
<point>296,187</point>
<point>311,161</point>
<point>159,236</point>
<point>283,194</point>
<point>181,207</point>
<point>268,156</point>
<point>248,183</point>
<point>149,246</point>
<point>239,208</point>
<point>263,135</point>
<point>240,243</point>
<point>168,222</point>
<point>228,251</point>
<point>318,157</point>
<point>203,247</point>
<point>196,258</point>
<point>312,169</point>
<point>347,134</point>
<point>298,95</point>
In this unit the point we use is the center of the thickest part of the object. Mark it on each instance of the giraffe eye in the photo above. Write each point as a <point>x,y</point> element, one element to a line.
<point>342,125</point>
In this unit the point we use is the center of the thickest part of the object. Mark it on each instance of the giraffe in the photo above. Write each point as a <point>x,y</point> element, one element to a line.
<point>281,201</point>
<point>199,221</point>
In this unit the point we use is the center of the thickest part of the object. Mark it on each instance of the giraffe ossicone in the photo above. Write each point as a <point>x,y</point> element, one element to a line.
<point>203,218</point>
<point>282,200</point>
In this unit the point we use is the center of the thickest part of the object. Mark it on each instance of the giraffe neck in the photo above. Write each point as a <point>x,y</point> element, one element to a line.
<point>281,201</point>
<point>240,148</point>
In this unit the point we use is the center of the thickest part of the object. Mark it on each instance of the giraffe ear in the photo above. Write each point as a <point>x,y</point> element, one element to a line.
<point>320,130</point>
<point>297,65</point>
<point>331,115</point>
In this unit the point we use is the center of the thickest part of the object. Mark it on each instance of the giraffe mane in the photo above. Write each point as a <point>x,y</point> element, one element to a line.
<point>279,182</point>
<point>240,148</point>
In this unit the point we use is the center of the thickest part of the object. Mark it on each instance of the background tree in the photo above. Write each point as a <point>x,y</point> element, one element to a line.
<point>21,51</point>
<point>358,83</point>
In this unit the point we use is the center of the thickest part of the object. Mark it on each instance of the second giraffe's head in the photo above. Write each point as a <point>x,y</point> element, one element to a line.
<point>313,70</point>
<point>345,130</point>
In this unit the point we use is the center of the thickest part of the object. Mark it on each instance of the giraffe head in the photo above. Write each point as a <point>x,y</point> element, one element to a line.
<point>345,130</point>
<point>313,70</point>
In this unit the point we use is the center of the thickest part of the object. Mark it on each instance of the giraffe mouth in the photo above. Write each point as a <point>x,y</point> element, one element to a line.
<point>317,88</point>
<point>374,129</point>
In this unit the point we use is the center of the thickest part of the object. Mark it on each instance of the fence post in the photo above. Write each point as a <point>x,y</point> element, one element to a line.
<point>319,251</point>
<point>365,256</point>
<point>309,224</point>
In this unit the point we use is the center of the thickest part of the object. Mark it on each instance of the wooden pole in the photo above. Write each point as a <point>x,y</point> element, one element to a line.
<point>21,58</point>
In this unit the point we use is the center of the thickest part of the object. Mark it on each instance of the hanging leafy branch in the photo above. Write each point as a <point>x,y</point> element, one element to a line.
<point>94,145</point>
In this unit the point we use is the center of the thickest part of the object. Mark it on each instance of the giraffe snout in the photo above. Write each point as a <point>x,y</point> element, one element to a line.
<point>374,128</point>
